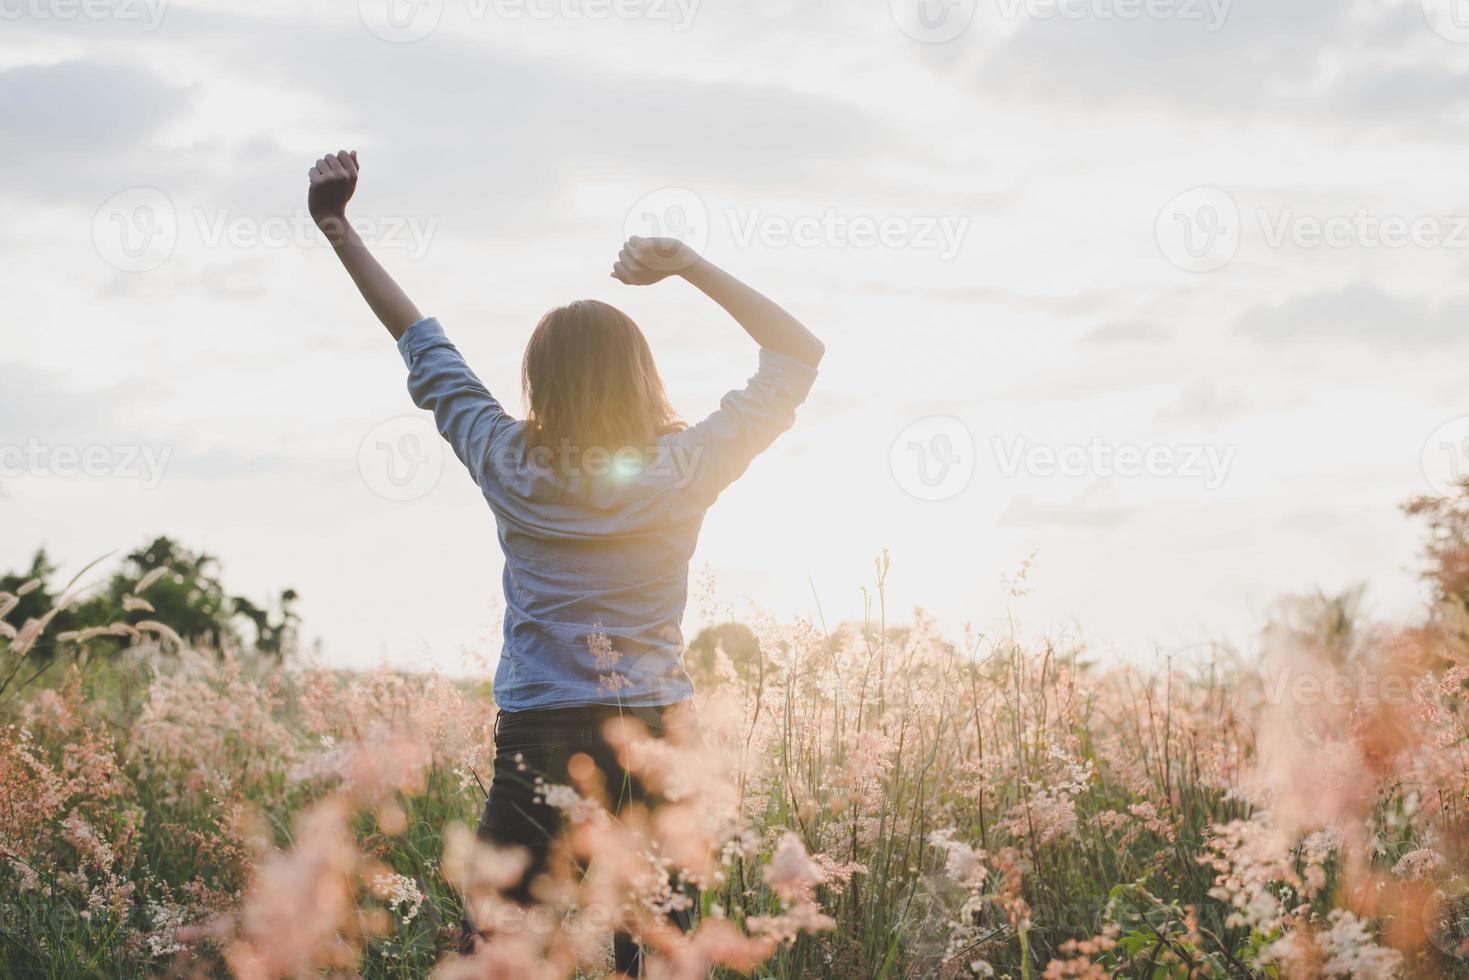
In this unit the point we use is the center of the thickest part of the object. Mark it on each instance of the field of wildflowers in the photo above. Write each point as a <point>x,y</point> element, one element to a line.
<point>866,801</point>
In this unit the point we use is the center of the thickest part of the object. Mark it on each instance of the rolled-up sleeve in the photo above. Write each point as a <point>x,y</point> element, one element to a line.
<point>467,415</point>
<point>722,446</point>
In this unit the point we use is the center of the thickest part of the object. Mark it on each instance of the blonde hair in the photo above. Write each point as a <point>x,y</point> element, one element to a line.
<point>590,382</point>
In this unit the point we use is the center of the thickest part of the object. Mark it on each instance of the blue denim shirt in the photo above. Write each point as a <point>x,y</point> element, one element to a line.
<point>596,553</point>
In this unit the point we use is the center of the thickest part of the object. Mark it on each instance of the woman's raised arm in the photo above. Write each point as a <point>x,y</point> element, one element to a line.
<point>333,179</point>
<point>644,261</point>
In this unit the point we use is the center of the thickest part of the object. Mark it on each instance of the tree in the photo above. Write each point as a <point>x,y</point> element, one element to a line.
<point>187,596</point>
<point>739,645</point>
<point>37,601</point>
<point>276,638</point>
<point>1447,547</point>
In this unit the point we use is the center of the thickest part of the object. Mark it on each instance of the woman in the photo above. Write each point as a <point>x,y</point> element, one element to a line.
<point>598,496</point>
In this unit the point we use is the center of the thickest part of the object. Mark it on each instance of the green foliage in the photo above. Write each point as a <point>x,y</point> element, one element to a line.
<point>736,640</point>
<point>188,595</point>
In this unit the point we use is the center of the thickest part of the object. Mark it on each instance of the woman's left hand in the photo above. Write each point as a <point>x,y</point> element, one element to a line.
<point>644,261</point>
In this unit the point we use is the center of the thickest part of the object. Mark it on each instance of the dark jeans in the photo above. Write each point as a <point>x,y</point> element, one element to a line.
<point>539,743</point>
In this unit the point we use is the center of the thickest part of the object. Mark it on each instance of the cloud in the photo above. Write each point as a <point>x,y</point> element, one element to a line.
<point>1349,62</point>
<point>460,129</point>
<point>79,120</point>
<point>1359,314</point>
<point>1205,401</point>
<point>1129,332</point>
<point>1387,96</point>
<point>36,403</point>
<point>1316,521</point>
<point>1256,45</point>
<point>1094,508</point>
<point>471,120</point>
<point>40,412</point>
<point>86,107</point>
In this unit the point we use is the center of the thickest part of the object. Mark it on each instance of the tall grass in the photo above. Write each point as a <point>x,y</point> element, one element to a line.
<point>866,801</point>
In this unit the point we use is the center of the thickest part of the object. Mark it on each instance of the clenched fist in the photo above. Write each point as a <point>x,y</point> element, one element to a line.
<point>333,180</point>
<point>644,261</point>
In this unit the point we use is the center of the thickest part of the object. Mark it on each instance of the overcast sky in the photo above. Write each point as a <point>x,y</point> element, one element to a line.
<point>1167,292</point>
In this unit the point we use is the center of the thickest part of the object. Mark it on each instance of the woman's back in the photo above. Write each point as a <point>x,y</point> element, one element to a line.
<point>597,540</point>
